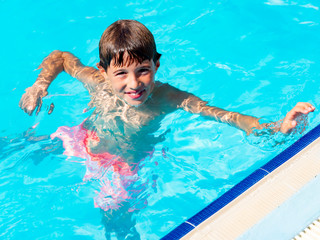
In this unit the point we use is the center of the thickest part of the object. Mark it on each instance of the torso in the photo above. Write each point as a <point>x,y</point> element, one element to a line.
<point>122,129</point>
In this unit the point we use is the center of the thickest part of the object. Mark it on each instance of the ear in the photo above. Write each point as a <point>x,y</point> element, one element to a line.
<point>101,69</point>
<point>157,65</point>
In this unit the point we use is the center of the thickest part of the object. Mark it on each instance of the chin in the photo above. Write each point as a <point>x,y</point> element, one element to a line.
<point>134,103</point>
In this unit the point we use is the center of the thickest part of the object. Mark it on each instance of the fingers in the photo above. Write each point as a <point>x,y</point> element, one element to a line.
<point>32,99</point>
<point>290,121</point>
<point>300,108</point>
<point>51,108</point>
<point>304,107</point>
<point>293,124</point>
<point>29,110</point>
<point>26,104</point>
<point>287,126</point>
<point>39,104</point>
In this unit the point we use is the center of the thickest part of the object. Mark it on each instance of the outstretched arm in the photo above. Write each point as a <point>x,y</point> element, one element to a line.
<point>247,123</point>
<point>55,63</point>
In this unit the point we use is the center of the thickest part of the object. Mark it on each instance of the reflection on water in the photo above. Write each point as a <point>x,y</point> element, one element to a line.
<point>247,56</point>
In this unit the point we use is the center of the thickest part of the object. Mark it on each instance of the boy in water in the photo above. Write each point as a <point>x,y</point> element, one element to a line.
<point>129,104</point>
<point>126,71</point>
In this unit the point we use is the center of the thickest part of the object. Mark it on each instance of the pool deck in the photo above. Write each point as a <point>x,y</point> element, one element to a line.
<point>270,186</point>
<point>262,198</point>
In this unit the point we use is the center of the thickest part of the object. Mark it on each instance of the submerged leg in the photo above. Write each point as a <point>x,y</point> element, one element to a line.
<point>120,223</point>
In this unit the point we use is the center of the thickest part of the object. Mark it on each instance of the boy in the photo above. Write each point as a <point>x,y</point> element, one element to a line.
<point>128,64</point>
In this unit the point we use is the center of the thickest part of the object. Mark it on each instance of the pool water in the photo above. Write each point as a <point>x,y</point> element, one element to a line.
<point>255,57</point>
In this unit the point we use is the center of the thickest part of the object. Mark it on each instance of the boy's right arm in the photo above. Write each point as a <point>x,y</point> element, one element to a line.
<point>55,63</point>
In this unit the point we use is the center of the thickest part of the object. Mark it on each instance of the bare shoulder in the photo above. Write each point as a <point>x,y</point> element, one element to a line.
<point>180,99</point>
<point>164,89</point>
<point>170,92</point>
<point>169,95</point>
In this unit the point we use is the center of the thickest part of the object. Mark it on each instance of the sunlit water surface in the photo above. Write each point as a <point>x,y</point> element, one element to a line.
<point>256,57</point>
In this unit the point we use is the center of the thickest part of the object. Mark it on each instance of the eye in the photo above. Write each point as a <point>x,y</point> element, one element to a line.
<point>119,74</point>
<point>144,70</point>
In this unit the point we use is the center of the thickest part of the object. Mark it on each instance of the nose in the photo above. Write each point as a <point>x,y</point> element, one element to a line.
<point>133,82</point>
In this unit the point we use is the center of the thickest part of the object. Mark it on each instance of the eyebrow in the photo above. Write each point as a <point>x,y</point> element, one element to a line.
<point>119,70</point>
<point>144,66</point>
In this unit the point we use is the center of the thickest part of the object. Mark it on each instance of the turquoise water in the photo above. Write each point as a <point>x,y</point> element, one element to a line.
<point>256,57</point>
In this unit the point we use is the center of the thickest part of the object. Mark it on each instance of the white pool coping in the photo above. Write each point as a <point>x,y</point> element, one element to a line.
<point>251,207</point>
<point>291,217</point>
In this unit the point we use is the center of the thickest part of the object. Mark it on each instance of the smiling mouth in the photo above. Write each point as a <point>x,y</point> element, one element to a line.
<point>135,94</point>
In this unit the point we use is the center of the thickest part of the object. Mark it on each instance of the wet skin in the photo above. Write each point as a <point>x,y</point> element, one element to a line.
<point>133,100</point>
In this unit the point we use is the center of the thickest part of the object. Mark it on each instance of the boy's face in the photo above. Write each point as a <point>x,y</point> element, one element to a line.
<point>132,83</point>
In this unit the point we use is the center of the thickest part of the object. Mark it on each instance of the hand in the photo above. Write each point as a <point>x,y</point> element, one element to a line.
<point>290,121</point>
<point>32,99</point>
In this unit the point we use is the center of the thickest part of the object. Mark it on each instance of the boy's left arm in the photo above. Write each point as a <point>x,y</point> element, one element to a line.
<point>194,104</point>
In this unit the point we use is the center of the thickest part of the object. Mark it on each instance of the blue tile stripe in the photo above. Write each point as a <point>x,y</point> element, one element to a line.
<point>179,231</point>
<point>245,184</point>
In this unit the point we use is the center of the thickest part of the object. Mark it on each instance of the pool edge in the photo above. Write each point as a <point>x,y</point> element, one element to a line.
<point>222,220</point>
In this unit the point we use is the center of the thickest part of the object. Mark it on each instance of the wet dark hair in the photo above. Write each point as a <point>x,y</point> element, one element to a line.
<point>127,36</point>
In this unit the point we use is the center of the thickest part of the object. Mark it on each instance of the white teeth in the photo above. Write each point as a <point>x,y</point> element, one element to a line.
<point>135,93</point>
